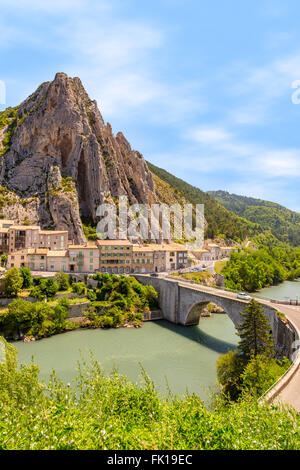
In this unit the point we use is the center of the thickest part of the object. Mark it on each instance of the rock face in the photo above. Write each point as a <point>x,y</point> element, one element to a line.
<point>64,157</point>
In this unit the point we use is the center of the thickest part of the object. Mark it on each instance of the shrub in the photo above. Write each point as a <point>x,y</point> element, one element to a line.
<point>79,288</point>
<point>13,281</point>
<point>27,277</point>
<point>62,280</point>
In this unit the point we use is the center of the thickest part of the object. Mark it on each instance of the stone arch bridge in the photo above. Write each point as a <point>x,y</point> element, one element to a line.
<point>182,302</point>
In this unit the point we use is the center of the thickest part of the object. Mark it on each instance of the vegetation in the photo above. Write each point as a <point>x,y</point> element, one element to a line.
<point>3,260</point>
<point>44,288</point>
<point>13,281</point>
<point>254,332</point>
<point>8,119</point>
<point>109,412</point>
<point>79,288</point>
<point>282,222</point>
<point>198,277</point>
<point>220,221</point>
<point>27,277</point>
<point>272,263</point>
<point>219,265</point>
<point>89,229</point>
<point>118,300</point>
<point>62,280</point>
<point>37,320</point>
<point>252,369</point>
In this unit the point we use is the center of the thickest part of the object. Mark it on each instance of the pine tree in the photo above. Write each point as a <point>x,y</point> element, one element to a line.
<point>254,332</point>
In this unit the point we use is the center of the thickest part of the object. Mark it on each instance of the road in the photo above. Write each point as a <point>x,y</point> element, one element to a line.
<point>291,393</point>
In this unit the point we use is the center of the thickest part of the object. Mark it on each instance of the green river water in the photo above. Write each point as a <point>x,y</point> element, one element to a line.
<point>182,357</point>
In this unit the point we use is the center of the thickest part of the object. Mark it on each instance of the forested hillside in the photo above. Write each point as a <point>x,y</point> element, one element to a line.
<point>220,221</point>
<point>282,222</point>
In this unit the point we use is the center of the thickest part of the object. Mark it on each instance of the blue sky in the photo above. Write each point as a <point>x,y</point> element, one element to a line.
<point>202,88</point>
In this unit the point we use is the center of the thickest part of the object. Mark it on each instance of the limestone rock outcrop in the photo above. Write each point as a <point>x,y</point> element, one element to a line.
<point>63,156</point>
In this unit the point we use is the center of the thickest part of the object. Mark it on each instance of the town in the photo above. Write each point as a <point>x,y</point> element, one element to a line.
<point>52,251</point>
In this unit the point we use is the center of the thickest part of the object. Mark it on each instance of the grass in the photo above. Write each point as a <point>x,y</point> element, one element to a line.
<point>219,265</point>
<point>197,277</point>
<point>111,413</point>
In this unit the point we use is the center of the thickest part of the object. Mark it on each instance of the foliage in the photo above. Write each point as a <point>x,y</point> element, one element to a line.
<point>109,412</point>
<point>238,376</point>
<point>254,332</point>
<point>282,222</point>
<point>229,369</point>
<point>120,298</point>
<point>261,373</point>
<point>62,280</point>
<point>27,277</point>
<point>3,259</point>
<point>79,288</point>
<point>272,263</point>
<point>45,288</point>
<point>36,319</point>
<point>220,221</point>
<point>198,277</point>
<point>13,281</point>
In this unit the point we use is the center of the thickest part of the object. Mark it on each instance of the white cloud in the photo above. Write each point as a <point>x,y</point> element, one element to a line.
<point>208,135</point>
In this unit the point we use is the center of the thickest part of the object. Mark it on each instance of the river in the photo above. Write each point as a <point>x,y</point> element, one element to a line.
<point>183,357</point>
<point>285,291</point>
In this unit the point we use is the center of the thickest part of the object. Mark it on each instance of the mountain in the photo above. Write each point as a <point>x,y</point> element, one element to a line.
<point>282,222</point>
<point>220,221</point>
<point>59,160</point>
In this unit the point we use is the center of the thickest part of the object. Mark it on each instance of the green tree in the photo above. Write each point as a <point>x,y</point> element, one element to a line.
<point>62,280</point>
<point>27,277</point>
<point>261,373</point>
<point>254,331</point>
<point>3,260</point>
<point>13,281</point>
<point>229,369</point>
<point>79,288</point>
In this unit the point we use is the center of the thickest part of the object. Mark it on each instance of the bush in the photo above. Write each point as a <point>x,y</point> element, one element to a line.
<point>13,281</point>
<point>62,280</point>
<point>45,288</point>
<point>261,373</point>
<point>79,288</point>
<point>27,277</point>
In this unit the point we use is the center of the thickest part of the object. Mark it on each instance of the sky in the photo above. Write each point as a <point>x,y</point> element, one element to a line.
<point>203,88</point>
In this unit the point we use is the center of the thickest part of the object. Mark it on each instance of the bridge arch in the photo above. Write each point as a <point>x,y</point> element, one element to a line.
<point>192,302</point>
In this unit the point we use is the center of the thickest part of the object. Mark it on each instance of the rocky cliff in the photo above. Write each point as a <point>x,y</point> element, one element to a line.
<point>59,160</point>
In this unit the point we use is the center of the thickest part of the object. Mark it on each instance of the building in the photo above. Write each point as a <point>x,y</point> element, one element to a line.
<point>48,250</point>
<point>84,258</point>
<point>227,250</point>
<point>18,237</point>
<point>115,256</point>
<point>215,251</point>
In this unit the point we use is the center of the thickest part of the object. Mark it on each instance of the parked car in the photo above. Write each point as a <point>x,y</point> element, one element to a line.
<point>243,296</point>
<point>154,275</point>
<point>204,265</point>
